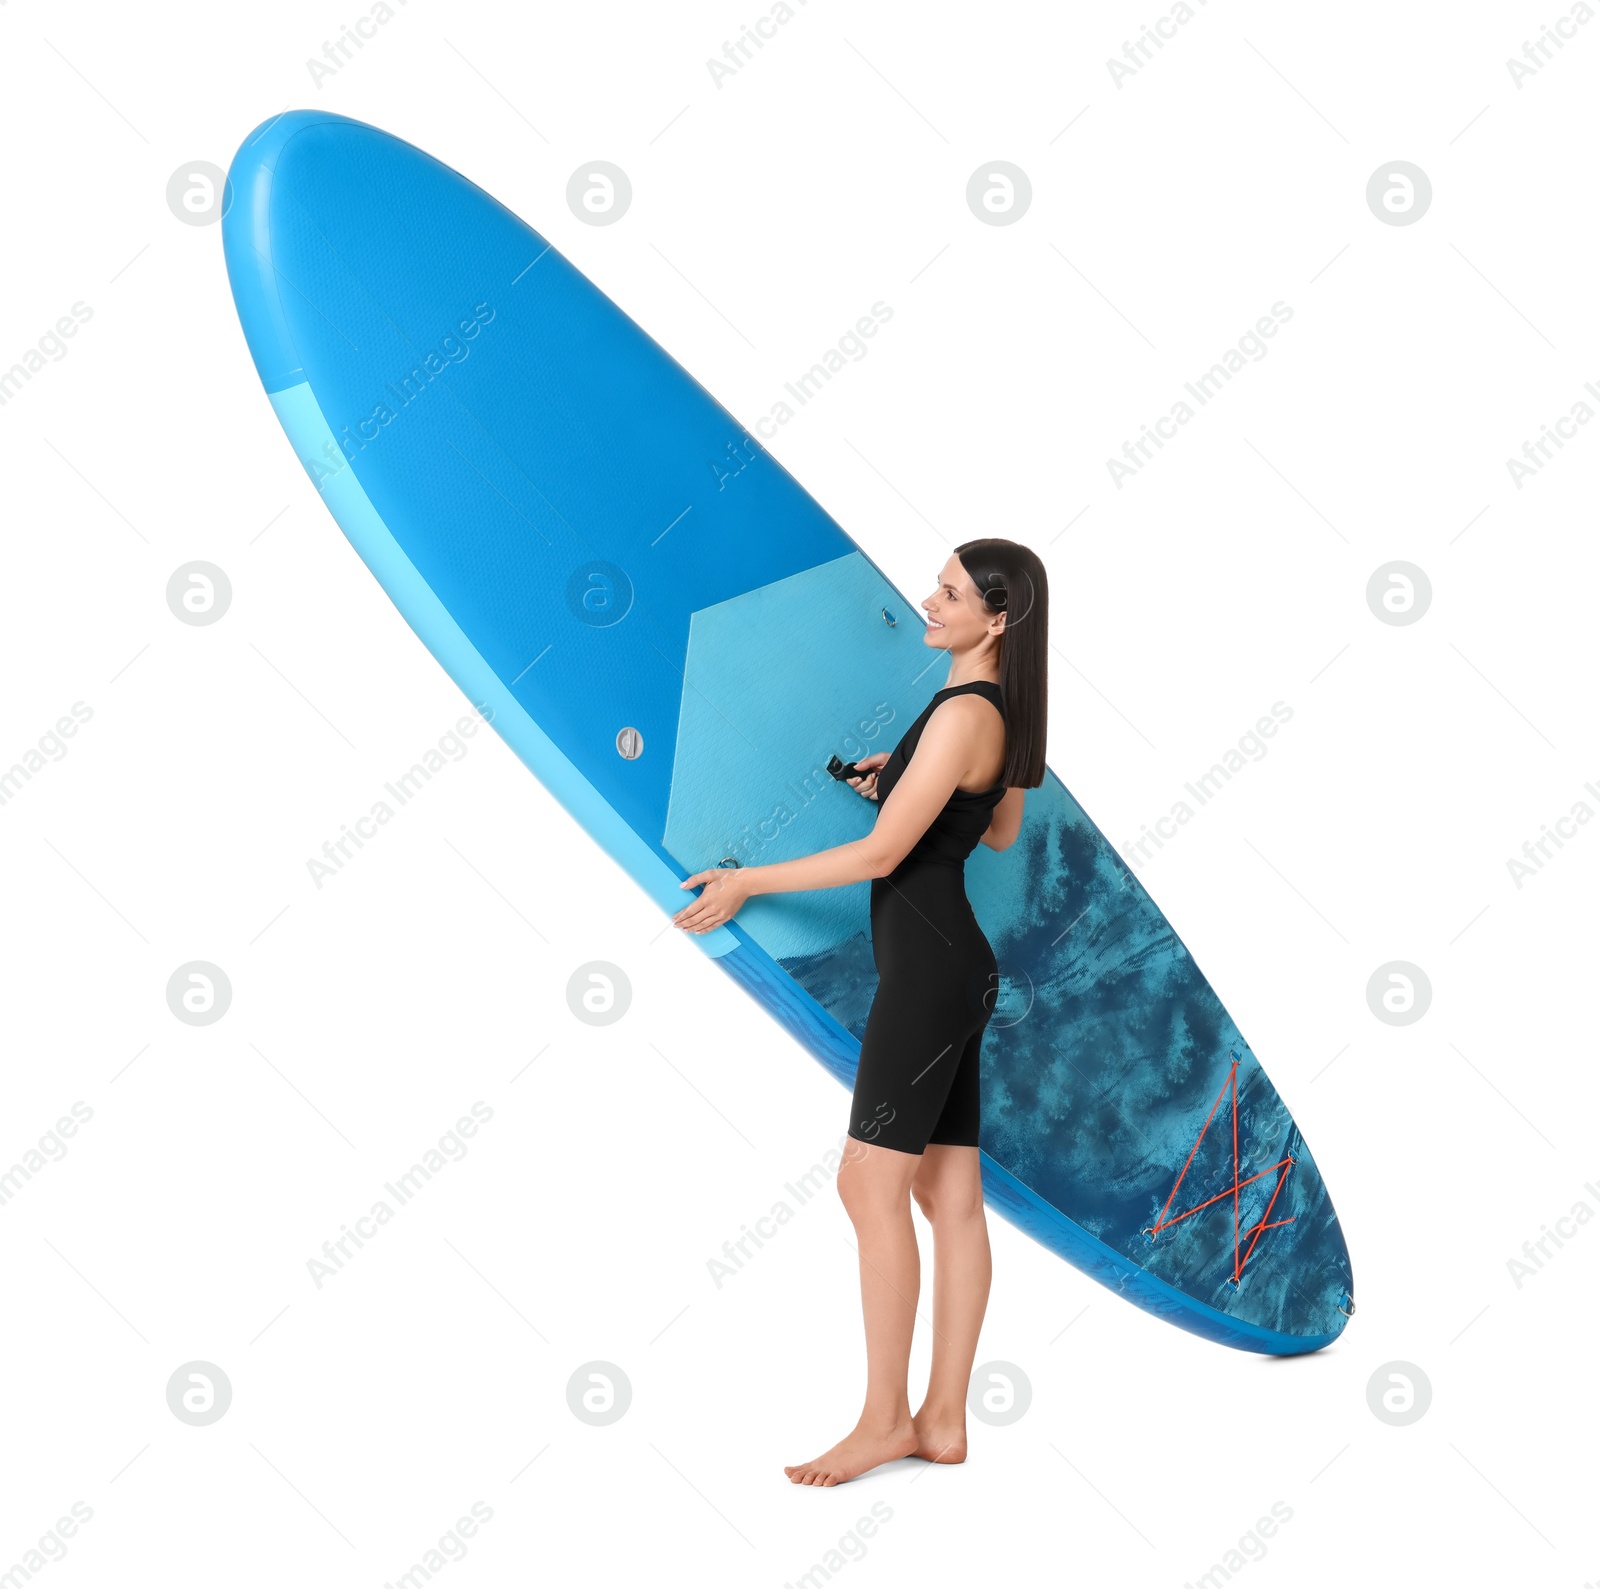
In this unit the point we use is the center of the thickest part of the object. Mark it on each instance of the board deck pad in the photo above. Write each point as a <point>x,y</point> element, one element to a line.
<point>675,648</point>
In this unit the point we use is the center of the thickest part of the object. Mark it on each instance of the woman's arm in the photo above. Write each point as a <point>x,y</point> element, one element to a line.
<point>927,783</point>
<point>1006,823</point>
<point>929,780</point>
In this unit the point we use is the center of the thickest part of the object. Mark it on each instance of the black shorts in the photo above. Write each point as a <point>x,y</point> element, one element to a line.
<point>918,1078</point>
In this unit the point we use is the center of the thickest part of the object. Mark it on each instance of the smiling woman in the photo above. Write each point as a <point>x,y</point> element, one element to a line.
<point>956,779</point>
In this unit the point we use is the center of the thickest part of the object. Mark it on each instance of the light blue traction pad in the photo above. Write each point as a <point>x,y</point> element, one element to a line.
<point>776,681</point>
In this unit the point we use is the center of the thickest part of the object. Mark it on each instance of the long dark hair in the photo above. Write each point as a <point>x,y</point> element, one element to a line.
<point>1011,579</point>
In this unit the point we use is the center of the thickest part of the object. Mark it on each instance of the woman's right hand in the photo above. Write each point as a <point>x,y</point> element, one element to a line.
<point>868,787</point>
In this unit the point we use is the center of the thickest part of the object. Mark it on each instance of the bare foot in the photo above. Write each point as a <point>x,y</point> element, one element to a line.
<point>940,1438</point>
<point>864,1447</point>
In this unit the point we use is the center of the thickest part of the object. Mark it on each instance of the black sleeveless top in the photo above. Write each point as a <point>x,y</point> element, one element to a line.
<point>952,835</point>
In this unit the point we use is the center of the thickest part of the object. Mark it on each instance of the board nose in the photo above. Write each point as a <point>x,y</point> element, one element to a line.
<point>247,244</point>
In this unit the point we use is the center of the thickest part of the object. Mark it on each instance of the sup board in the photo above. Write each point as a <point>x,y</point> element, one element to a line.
<point>598,551</point>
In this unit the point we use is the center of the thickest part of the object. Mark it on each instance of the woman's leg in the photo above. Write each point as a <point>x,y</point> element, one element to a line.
<point>949,1190</point>
<point>874,1185</point>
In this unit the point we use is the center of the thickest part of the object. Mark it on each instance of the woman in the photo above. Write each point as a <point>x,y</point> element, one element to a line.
<point>956,778</point>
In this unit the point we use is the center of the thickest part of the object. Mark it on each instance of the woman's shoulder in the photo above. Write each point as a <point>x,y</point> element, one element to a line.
<point>957,719</point>
<point>969,704</point>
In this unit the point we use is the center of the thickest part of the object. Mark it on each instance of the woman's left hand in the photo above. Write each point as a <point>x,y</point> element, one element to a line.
<point>726,889</point>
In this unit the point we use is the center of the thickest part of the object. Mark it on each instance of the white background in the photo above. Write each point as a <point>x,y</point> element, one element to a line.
<point>1168,214</point>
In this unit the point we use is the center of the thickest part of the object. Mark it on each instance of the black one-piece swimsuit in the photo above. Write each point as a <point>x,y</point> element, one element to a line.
<point>917,1081</point>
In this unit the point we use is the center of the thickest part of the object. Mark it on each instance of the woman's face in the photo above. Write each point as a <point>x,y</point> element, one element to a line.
<point>957,617</point>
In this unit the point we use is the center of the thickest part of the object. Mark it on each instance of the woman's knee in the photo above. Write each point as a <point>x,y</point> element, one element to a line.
<point>847,1182</point>
<point>869,1189</point>
<point>949,1198</point>
<point>857,1191</point>
<point>962,1203</point>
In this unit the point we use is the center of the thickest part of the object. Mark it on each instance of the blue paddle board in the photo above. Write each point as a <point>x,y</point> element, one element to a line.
<point>598,551</point>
